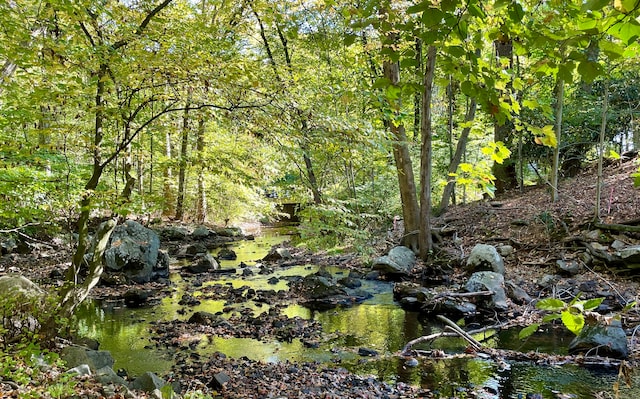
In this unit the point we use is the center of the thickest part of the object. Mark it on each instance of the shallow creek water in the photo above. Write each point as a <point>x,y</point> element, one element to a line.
<point>378,323</point>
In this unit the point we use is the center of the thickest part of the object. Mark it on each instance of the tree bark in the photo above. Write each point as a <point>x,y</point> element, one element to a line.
<point>404,168</point>
<point>426,241</point>
<point>457,157</point>
<point>168,194</point>
<point>201,201</point>
<point>555,167</point>
<point>603,128</point>
<point>505,172</point>
<point>182,172</point>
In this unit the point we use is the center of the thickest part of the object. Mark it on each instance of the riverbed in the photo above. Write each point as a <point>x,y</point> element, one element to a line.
<point>378,325</point>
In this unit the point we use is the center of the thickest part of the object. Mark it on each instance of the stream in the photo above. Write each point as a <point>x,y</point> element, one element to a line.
<point>378,324</point>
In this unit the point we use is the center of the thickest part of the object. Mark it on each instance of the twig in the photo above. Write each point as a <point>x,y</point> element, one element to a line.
<point>476,345</point>
<point>463,294</point>
<point>17,229</point>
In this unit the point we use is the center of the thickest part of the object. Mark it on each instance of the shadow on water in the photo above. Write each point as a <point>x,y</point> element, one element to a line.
<point>378,324</point>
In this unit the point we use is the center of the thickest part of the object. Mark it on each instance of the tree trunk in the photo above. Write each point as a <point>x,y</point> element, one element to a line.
<point>201,201</point>
<point>457,157</point>
<point>404,167</point>
<point>426,241</point>
<point>182,172</point>
<point>168,194</point>
<point>505,172</point>
<point>555,168</point>
<point>417,98</point>
<point>603,128</point>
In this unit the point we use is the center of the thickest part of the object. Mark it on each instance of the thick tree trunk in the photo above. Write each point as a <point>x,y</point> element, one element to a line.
<point>426,241</point>
<point>505,172</point>
<point>201,201</point>
<point>417,98</point>
<point>457,157</point>
<point>182,172</point>
<point>404,167</point>
<point>555,167</point>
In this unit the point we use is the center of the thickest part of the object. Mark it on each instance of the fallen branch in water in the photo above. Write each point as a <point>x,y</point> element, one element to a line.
<point>463,334</point>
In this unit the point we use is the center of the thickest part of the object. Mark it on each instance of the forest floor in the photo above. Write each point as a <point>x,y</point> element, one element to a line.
<point>541,232</point>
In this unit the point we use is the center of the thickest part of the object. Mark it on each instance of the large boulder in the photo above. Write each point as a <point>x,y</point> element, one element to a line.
<point>399,262</point>
<point>601,339</point>
<point>133,250</point>
<point>485,257</point>
<point>76,355</point>
<point>13,285</point>
<point>148,382</point>
<point>489,281</point>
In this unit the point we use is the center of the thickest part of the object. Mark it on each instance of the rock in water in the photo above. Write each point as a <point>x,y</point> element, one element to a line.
<point>489,281</point>
<point>601,339</point>
<point>399,262</point>
<point>132,250</point>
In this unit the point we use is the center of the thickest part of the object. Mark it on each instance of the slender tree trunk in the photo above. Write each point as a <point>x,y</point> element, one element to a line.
<point>201,202</point>
<point>426,241</point>
<point>603,128</point>
<point>417,98</point>
<point>404,167</point>
<point>182,172</point>
<point>167,186</point>
<point>555,168</point>
<point>457,157</point>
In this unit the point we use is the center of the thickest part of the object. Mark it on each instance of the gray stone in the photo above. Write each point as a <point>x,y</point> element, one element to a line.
<point>203,263</point>
<point>148,382</point>
<point>630,255</point>
<point>161,269</point>
<point>75,355</point>
<point>220,379</point>
<point>593,235</point>
<point>195,249</point>
<point>227,254</point>
<point>317,287</point>
<point>80,370</point>
<point>174,233</point>
<point>400,261</point>
<point>12,285</point>
<point>8,245</point>
<point>489,281</point>
<point>132,250</point>
<point>599,339</point>
<point>617,244</point>
<point>229,231</point>
<point>200,232</point>
<point>517,294</point>
<point>571,267</point>
<point>485,257</point>
<point>505,250</point>
<point>548,280</point>
<point>276,254</point>
<point>106,375</point>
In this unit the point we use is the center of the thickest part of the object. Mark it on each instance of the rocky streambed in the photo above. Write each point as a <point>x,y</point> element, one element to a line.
<point>251,321</point>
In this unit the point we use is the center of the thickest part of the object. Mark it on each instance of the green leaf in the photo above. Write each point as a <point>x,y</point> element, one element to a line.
<point>593,5</point>
<point>455,51</point>
<point>432,17</point>
<point>516,12</point>
<point>592,303</point>
<point>589,70</point>
<point>627,31</point>
<point>528,331</point>
<point>551,304</point>
<point>551,317</point>
<point>467,88</point>
<point>573,322</point>
<point>420,7</point>
<point>476,11</point>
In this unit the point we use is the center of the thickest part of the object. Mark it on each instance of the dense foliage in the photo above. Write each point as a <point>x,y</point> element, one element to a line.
<point>199,109</point>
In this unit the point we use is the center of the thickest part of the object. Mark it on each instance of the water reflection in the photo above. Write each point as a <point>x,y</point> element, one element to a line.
<point>378,324</point>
